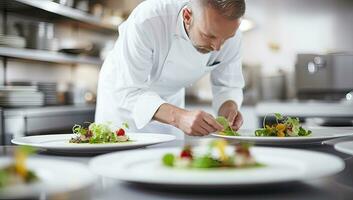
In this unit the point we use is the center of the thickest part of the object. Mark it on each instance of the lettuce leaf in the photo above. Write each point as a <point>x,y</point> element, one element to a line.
<point>227,129</point>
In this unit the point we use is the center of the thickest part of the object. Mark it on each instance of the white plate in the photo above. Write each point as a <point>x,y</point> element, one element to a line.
<point>54,177</point>
<point>282,165</point>
<point>318,135</point>
<point>60,143</point>
<point>345,147</point>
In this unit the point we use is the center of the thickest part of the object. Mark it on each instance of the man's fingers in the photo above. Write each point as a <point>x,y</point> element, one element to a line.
<point>238,122</point>
<point>207,126</point>
<point>200,130</point>
<point>212,122</point>
<point>231,118</point>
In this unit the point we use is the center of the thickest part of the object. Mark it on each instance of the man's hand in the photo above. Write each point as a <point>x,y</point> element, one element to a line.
<point>229,110</point>
<point>197,123</point>
<point>194,123</point>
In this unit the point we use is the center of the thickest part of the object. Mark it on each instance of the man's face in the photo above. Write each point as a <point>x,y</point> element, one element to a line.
<point>209,30</point>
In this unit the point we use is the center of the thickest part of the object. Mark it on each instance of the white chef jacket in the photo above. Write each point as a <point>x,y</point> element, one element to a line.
<point>153,61</point>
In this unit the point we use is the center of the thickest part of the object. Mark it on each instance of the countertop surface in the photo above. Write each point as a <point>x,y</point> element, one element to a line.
<point>306,108</point>
<point>336,187</point>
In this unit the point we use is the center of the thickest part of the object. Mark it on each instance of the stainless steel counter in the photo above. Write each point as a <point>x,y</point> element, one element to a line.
<point>336,187</point>
<point>306,109</point>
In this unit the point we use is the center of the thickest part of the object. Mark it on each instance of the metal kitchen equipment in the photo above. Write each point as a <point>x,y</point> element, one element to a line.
<point>273,87</point>
<point>324,77</point>
<point>39,35</point>
<point>19,122</point>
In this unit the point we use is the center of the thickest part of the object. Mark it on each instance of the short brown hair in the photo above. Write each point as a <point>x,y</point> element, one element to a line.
<point>232,9</point>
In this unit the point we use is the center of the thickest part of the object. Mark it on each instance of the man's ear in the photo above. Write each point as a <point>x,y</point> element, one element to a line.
<point>187,16</point>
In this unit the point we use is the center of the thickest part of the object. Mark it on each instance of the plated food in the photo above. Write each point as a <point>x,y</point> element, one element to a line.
<point>286,131</point>
<point>96,133</point>
<point>93,138</point>
<point>33,177</point>
<point>278,165</point>
<point>216,156</point>
<point>284,127</point>
<point>17,172</point>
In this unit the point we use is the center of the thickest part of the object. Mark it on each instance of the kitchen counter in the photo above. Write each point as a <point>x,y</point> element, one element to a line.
<point>306,109</point>
<point>335,187</point>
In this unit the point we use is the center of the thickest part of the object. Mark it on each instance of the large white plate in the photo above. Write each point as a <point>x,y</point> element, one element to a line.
<point>60,143</point>
<point>318,135</point>
<point>345,147</point>
<point>282,165</point>
<point>54,177</point>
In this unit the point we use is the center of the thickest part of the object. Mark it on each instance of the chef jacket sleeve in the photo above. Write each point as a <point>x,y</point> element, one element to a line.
<point>227,79</point>
<point>133,55</point>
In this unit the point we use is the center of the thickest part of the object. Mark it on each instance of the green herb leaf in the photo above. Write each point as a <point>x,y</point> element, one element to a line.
<point>205,162</point>
<point>227,129</point>
<point>223,121</point>
<point>125,125</point>
<point>278,116</point>
<point>27,150</point>
<point>4,178</point>
<point>168,160</point>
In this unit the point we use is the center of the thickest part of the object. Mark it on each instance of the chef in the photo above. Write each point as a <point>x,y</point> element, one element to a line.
<point>163,47</point>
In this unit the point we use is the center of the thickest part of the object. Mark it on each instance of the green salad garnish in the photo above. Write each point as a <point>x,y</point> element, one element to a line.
<point>18,172</point>
<point>98,133</point>
<point>227,129</point>
<point>216,156</point>
<point>284,127</point>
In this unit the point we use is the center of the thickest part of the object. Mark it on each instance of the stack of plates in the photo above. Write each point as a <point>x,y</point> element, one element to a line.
<point>49,90</point>
<point>12,41</point>
<point>20,96</point>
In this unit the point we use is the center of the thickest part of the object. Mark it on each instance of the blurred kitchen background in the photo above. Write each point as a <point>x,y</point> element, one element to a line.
<point>297,60</point>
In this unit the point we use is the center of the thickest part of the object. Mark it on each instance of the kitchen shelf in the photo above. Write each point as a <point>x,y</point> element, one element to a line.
<point>48,56</point>
<point>45,110</point>
<point>66,12</point>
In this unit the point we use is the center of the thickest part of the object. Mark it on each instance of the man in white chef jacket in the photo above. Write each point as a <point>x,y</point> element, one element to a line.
<point>163,47</point>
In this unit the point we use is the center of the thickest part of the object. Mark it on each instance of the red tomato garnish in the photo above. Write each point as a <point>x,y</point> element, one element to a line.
<point>120,132</point>
<point>186,154</point>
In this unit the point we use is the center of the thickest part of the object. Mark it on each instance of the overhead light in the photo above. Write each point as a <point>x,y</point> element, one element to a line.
<point>246,25</point>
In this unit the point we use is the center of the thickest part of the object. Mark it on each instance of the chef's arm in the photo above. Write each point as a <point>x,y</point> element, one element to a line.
<point>132,61</point>
<point>230,110</point>
<point>228,95</point>
<point>226,106</point>
<point>227,84</point>
<point>196,123</point>
<point>227,88</point>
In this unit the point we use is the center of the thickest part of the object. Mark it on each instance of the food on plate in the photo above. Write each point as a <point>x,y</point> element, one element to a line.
<point>227,129</point>
<point>99,133</point>
<point>284,127</point>
<point>217,154</point>
<point>17,172</point>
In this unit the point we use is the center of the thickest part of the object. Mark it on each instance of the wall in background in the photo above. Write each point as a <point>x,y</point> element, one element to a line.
<point>285,28</point>
<point>314,26</point>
